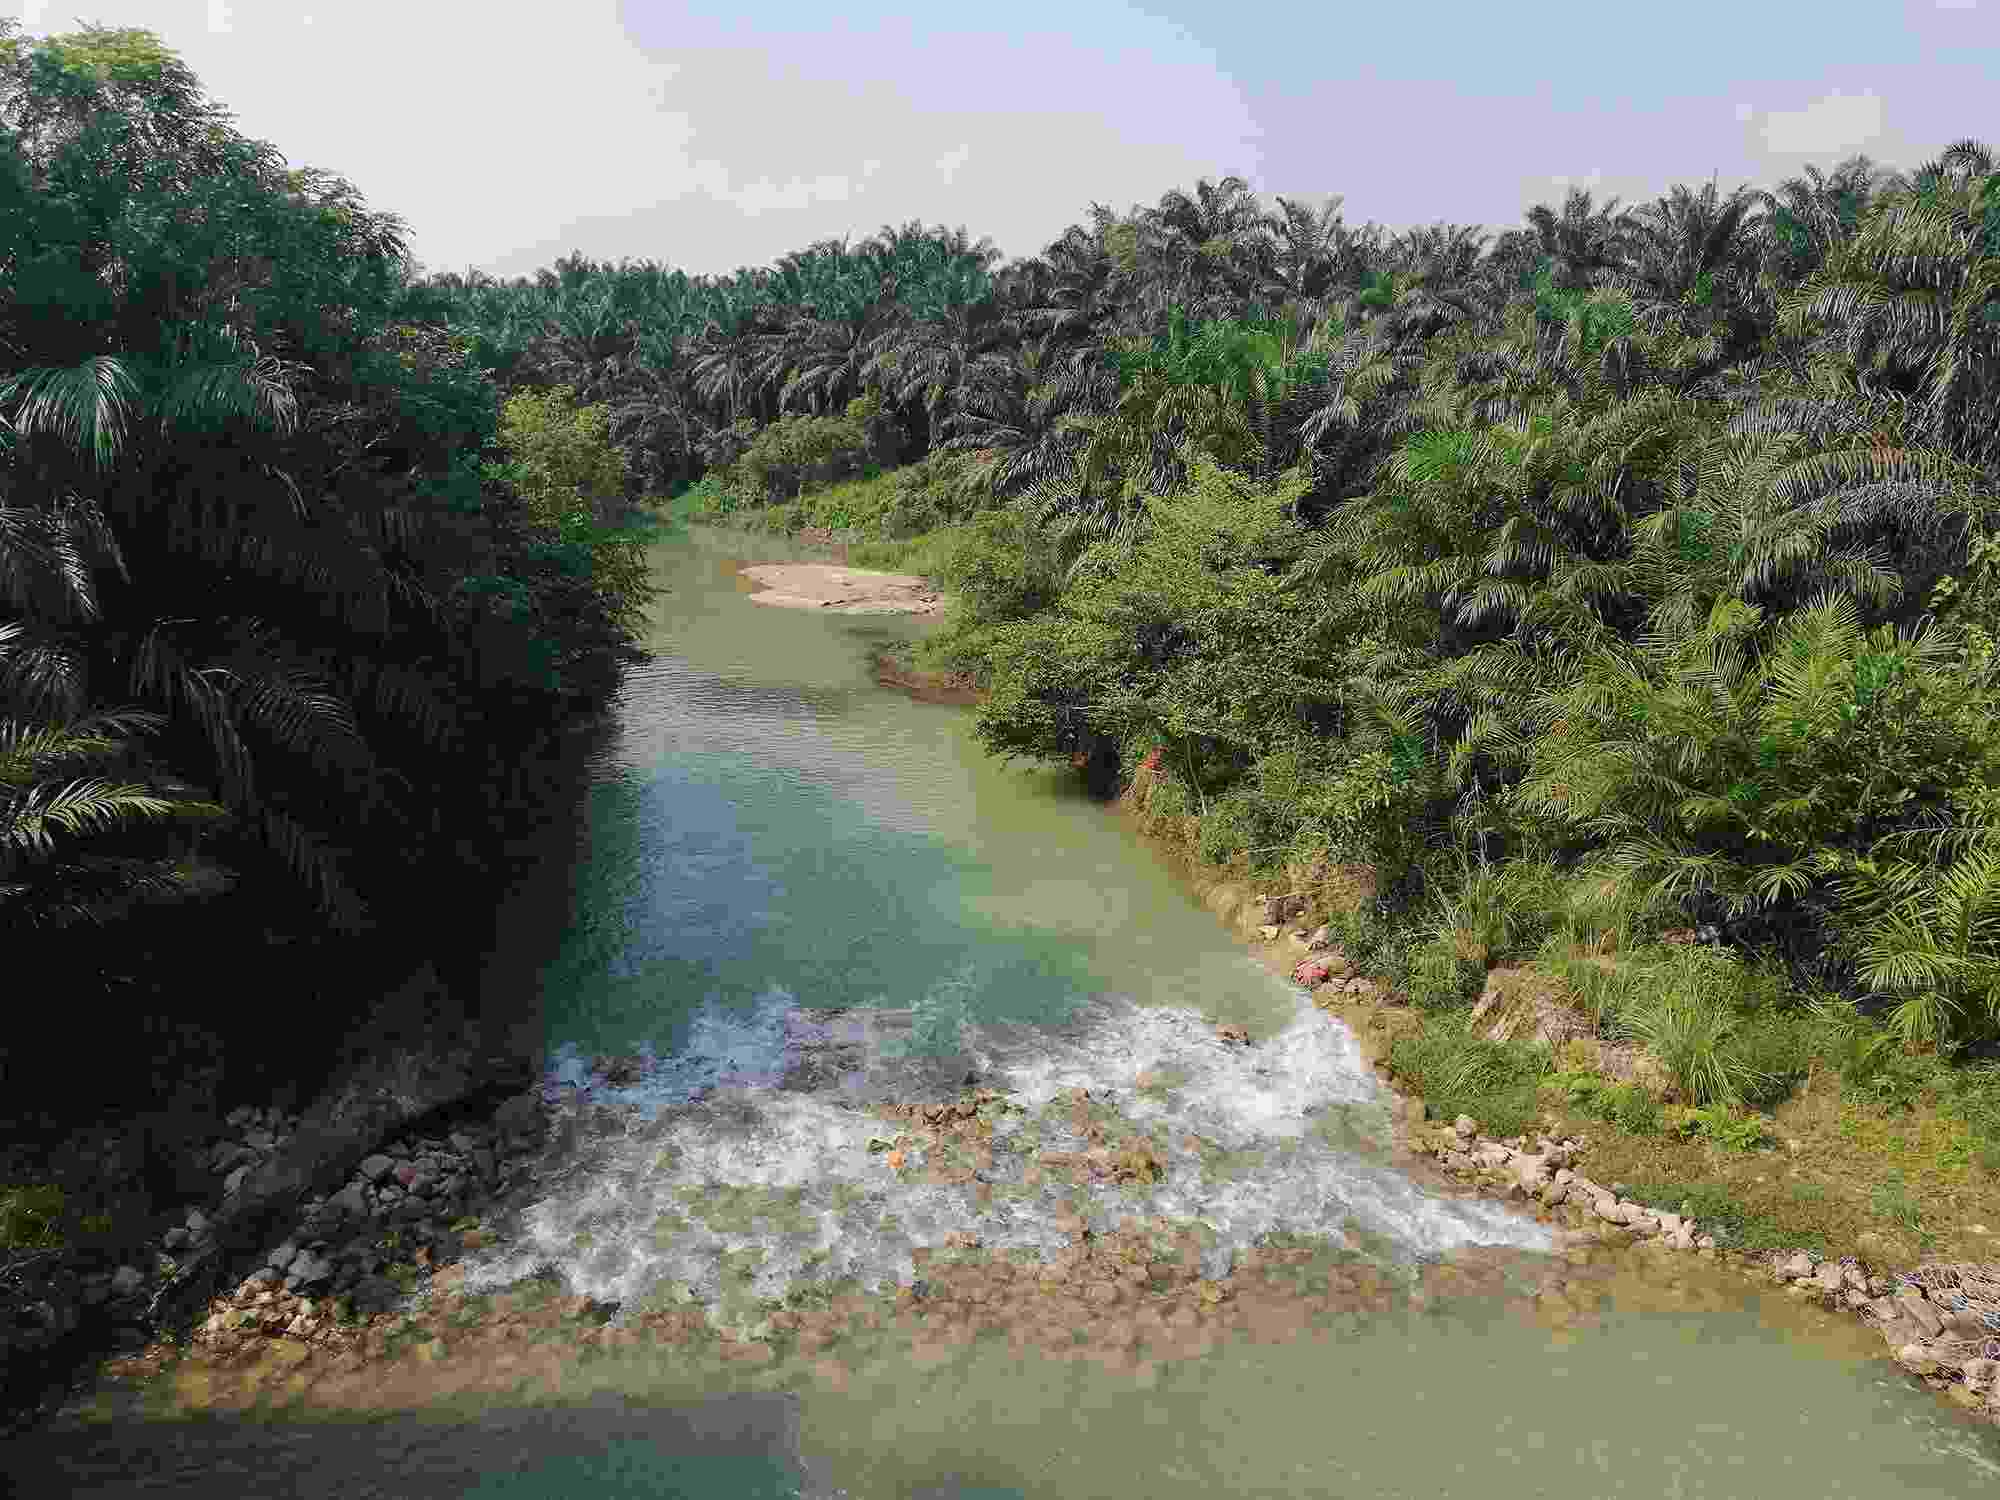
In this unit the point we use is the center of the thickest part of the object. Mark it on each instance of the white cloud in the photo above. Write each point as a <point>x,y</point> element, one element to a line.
<point>951,161</point>
<point>1838,122</point>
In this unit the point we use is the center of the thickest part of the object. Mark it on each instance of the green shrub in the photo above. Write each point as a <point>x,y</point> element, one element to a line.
<point>1734,1225</point>
<point>1775,1051</point>
<point>1457,1072</point>
<point>1725,1127</point>
<point>1629,1106</point>
<point>1248,822</point>
<point>31,1216</point>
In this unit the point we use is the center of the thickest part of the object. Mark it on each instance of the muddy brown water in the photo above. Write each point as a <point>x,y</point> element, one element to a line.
<point>1143,1262</point>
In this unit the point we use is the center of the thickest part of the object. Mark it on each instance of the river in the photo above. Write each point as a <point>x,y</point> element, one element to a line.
<point>799,896</point>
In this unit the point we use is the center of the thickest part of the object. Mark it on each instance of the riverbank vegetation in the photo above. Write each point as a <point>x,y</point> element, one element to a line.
<point>1617,591</point>
<point>289,584</point>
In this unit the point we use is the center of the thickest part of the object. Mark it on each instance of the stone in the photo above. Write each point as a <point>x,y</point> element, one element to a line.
<point>1465,1127</point>
<point>1832,1277</point>
<point>1320,939</point>
<point>177,1239</point>
<point>309,1269</point>
<point>235,1179</point>
<point>376,1167</point>
<point>1670,1225</point>
<point>461,1142</point>
<point>351,1201</point>
<point>1979,1374</point>
<point>1854,1280</point>
<point>1920,1312</point>
<point>127,1280</point>
<point>1917,1359</point>
<point>282,1256</point>
<point>1706,1244</point>
<point>1607,1209</point>
<point>1531,1171</point>
<point>1794,1266</point>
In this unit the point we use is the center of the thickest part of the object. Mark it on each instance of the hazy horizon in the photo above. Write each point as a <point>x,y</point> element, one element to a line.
<point>709,142</point>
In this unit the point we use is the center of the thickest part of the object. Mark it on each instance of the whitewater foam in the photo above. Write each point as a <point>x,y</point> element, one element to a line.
<point>752,1163</point>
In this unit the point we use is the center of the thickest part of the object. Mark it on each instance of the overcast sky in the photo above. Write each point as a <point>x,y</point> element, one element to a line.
<point>507,133</point>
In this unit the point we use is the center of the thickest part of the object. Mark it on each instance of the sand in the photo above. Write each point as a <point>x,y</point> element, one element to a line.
<point>846,591</point>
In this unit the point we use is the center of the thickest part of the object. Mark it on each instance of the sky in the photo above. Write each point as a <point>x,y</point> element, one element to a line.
<point>712,137</point>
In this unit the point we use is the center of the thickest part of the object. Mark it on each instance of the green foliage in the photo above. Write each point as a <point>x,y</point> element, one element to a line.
<point>1458,1072</point>
<point>795,452</point>
<point>1629,1106</point>
<point>1735,1226</point>
<point>572,482</point>
<point>1730,1130</point>
<point>31,1216</point>
<point>1685,1014</point>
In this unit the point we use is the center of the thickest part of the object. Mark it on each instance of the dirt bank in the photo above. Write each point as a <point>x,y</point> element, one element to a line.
<point>842,590</point>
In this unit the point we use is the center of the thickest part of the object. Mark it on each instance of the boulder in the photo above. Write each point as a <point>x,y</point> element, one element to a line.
<point>1832,1278</point>
<point>1917,1359</point>
<point>1921,1313</point>
<point>1794,1266</point>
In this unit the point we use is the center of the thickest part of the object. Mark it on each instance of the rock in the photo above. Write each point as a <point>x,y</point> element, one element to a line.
<point>519,1116</point>
<point>177,1239</point>
<point>1979,1374</point>
<point>1606,1208</point>
<point>282,1256</point>
<point>1854,1280</point>
<point>461,1142</point>
<point>1917,1359</point>
<point>1706,1244</point>
<point>1465,1127</point>
<point>1832,1278</point>
<point>309,1269</point>
<point>235,1179</point>
<point>1670,1225</point>
<point>1531,1171</point>
<point>376,1167</point>
<point>1321,939</point>
<point>351,1201</point>
<point>127,1280</point>
<point>1232,1033</point>
<point>1794,1266</point>
<point>1268,932</point>
<point>1921,1313</point>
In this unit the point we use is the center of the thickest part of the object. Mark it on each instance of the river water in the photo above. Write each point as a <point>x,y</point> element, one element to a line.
<point>800,896</point>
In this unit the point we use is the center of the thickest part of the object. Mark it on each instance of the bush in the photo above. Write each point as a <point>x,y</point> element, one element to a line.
<point>1629,1106</point>
<point>1775,1051</point>
<point>795,453</point>
<point>1684,1018</point>
<point>1497,1083</point>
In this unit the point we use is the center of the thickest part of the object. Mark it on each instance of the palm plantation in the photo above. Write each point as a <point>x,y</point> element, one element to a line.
<point>1627,573</point>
